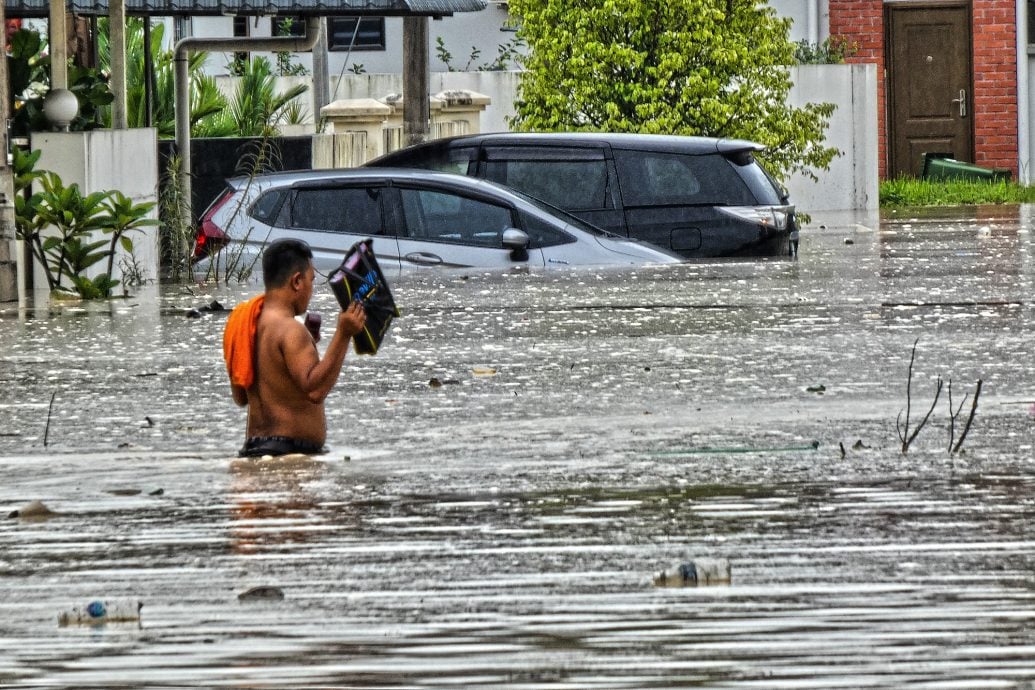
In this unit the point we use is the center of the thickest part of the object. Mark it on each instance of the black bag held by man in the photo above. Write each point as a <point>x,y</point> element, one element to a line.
<point>359,279</point>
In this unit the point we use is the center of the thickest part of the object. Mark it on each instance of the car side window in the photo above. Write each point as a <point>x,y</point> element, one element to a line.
<point>266,208</point>
<point>443,217</point>
<point>354,210</point>
<point>654,178</point>
<point>572,179</point>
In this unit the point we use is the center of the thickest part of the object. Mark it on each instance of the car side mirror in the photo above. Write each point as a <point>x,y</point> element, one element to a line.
<point>515,239</point>
<point>517,242</point>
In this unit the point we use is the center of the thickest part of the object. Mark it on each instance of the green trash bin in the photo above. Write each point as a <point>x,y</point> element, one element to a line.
<point>939,166</point>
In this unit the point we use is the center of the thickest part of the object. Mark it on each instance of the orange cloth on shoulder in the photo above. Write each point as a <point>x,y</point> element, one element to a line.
<point>239,341</point>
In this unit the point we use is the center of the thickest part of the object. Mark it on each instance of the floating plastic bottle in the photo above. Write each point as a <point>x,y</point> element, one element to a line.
<point>99,612</point>
<point>700,571</point>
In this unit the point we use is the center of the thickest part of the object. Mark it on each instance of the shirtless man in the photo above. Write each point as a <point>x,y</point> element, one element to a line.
<point>285,399</point>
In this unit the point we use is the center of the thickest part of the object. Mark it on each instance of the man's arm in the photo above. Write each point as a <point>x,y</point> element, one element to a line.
<point>314,376</point>
<point>240,394</point>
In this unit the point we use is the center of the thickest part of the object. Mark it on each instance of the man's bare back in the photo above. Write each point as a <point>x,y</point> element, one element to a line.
<point>279,405</point>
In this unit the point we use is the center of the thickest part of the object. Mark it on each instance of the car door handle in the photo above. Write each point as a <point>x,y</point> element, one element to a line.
<point>423,258</point>
<point>962,101</point>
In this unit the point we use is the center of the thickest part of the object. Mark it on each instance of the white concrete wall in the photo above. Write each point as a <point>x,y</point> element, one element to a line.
<point>810,19</point>
<point>851,182</point>
<point>104,160</point>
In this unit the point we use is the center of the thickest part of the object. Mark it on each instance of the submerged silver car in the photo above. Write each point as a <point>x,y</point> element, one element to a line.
<point>417,218</point>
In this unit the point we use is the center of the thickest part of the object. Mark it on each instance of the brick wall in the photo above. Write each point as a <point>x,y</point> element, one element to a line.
<point>995,73</point>
<point>995,84</point>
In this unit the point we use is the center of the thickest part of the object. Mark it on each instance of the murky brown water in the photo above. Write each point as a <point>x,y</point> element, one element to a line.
<point>502,530</point>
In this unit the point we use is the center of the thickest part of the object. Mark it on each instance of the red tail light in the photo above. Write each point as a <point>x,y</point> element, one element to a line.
<point>211,238</point>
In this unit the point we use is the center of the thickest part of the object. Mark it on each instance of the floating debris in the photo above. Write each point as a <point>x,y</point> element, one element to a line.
<point>125,492</point>
<point>700,571</point>
<point>213,306</point>
<point>34,510</point>
<point>99,612</point>
<point>262,593</point>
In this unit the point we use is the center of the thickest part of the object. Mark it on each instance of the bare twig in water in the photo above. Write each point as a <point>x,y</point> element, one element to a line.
<point>903,428</point>
<point>50,409</point>
<point>970,418</point>
<point>953,414</point>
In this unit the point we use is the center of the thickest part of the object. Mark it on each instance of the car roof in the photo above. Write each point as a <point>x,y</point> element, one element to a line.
<point>373,174</point>
<point>671,143</point>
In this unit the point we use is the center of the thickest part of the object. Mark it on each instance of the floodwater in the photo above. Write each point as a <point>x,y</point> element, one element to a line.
<point>590,429</point>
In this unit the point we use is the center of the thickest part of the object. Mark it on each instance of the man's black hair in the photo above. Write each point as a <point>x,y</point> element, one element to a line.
<point>282,259</point>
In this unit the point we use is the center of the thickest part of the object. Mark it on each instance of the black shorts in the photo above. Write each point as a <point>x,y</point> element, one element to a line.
<point>257,446</point>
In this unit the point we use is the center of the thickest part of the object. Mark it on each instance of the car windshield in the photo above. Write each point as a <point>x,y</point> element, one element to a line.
<point>568,218</point>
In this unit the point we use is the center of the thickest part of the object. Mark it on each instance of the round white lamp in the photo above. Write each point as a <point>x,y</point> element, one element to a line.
<point>60,107</point>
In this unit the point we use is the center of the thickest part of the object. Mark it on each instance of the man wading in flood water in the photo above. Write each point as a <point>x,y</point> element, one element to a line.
<point>274,366</point>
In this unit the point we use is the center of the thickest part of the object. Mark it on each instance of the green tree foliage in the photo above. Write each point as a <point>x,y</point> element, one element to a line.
<point>692,67</point>
<point>29,77</point>
<point>70,250</point>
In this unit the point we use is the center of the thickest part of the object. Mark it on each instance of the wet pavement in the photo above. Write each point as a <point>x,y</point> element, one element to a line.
<point>586,430</point>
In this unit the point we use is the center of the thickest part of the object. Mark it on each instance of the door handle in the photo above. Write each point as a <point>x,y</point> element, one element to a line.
<point>423,258</point>
<point>962,100</point>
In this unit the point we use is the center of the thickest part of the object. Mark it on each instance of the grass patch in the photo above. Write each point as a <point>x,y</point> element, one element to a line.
<point>915,192</point>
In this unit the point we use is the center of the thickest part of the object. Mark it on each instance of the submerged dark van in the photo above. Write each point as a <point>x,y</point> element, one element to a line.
<point>698,196</point>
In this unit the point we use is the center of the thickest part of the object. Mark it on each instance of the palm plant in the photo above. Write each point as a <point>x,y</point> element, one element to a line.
<point>205,99</point>
<point>255,108</point>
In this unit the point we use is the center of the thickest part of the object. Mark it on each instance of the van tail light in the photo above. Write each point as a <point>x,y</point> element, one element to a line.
<point>778,218</point>
<point>211,238</point>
